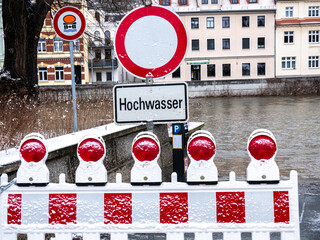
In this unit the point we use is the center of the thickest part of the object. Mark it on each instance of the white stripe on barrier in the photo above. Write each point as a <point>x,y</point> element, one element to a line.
<point>202,207</point>
<point>63,236</point>
<point>202,235</point>
<point>149,202</point>
<point>259,207</point>
<point>232,236</point>
<point>119,236</point>
<point>90,208</point>
<point>175,236</point>
<point>260,236</point>
<point>91,236</point>
<point>36,236</point>
<point>34,208</point>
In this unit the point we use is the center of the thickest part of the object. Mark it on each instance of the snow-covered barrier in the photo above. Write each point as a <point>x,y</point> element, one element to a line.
<point>174,208</point>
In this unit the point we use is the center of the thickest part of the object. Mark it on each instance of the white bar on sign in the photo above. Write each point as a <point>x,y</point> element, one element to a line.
<point>260,236</point>
<point>90,208</point>
<point>9,236</point>
<point>177,141</point>
<point>118,236</point>
<point>34,209</point>
<point>175,236</point>
<point>91,236</point>
<point>146,208</point>
<point>36,236</point>
<point>289,236</point>
<point>202,207</point>
<point>202,235</point>
<point>232,236</point>
<point>259,207</point>
<point>63,236</point>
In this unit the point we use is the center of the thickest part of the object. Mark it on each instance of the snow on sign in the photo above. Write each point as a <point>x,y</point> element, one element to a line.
<point>159,103</point>
<point>69,23</point>
<point>151,40</point>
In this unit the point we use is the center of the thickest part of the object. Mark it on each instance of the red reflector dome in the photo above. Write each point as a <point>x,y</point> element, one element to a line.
<point>145,149</point>
<point>262,147</point>
<point>91,150</point>
<point>201,148</point>
<point>33,150</point>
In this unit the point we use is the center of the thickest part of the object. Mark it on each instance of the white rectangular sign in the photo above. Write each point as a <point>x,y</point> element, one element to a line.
<point>160,103</point>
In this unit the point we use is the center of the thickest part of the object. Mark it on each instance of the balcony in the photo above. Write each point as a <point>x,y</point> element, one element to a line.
<point>103,63</point>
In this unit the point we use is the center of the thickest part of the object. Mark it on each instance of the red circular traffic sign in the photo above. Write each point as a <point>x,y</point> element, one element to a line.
<point>69,23</point>
<point>151,41</point>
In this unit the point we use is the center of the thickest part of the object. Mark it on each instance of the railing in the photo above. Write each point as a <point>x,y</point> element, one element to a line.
<point>92,206</point>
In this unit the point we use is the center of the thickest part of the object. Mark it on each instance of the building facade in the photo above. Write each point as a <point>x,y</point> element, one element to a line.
<point>229,39</point>
<point>297,38</point>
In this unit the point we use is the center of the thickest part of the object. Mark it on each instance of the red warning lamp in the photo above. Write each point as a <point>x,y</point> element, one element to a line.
<point>201,148</point>
<point>262,149</point>
<point>146,152</point>
<point>145,149</point>
<point>33,155</point>
<point>91,152</point>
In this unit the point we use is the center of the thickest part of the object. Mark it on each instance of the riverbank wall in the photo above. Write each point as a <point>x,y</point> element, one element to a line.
<point>225,88</point>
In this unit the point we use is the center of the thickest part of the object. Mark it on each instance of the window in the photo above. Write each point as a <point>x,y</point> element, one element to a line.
<point>107,38</point>
<point>58,45</point>
<point>288,62</point>
<point>289,12</point>
<point>314,62</point>
<point>211,70</point>
<point>195,44</point>
<point>234,1</point>
<point>176,73</point>
<point>76,45</point>
<point>214,1</point>
<point>97,16</point>
<point>97,36</point>
<point>97,54</point>
<point>261,21</point>
<point>194,22</point>
<point>225,22</point>
<point>245,43</point>
<point>43,75</point>
<point>98,77</point>
<point>210,22</point>
<point>42,45</point>
<point>313,36</point>
<point>245,21</point>
<point>261,42</point>
<point>253,1</point>
<point>245,69</point>
<point>109,76</point>
<point>313,11</point>
<point>261,69</point>
<point>107,54</point>
<point>288,37</point>
<point>226,43</point>
<point>165,2</point>
<point>183,2</point>
<point>204,1</point>
<point>226,70</point>
<point>210,44</point>
<point>59,73</point>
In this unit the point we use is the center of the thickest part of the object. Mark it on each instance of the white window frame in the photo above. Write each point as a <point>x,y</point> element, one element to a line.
<point>289,12</point>
<point>76,45</point>
<point>60,73</point>
<point>58,45</point>
<point>314,36</point>
<point>313,62</point>
<point>288,62</point>
<point>313,11</point>
<point>210,22</point>
<point>288,35</point>
<point>43,74</point>
<point>42,46</point>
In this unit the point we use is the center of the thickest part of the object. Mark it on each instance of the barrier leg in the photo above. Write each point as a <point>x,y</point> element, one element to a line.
<point>289,236</point>
<point>119,236</point>
<point>202,235</point>
<point>91,236</point>
<point>63,236</point>
<point>36,236</point>
<point>175,236</point>
<point>232,236</point>
<point>260,236</point>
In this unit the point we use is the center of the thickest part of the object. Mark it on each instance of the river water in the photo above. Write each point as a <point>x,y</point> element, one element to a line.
<point>295,122</point>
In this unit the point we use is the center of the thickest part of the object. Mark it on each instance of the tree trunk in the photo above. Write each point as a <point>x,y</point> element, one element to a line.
<point>22,24</point>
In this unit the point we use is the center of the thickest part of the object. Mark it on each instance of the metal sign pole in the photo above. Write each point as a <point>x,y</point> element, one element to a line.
<point>74,100</point>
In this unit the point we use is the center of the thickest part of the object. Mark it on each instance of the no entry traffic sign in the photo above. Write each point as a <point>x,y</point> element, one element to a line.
<point>151,40</point>
<point>69,23</point>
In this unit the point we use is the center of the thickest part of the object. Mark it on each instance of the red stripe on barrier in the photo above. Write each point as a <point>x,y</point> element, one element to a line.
<point>173,208</point>
<point>281,206</point>
<point>117,208</point>
<point>14,209</point>
<point>230,207</point>
<point>62,208</point>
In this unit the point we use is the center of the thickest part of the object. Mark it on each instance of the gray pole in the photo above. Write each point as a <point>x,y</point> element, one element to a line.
<point>74,98</point>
